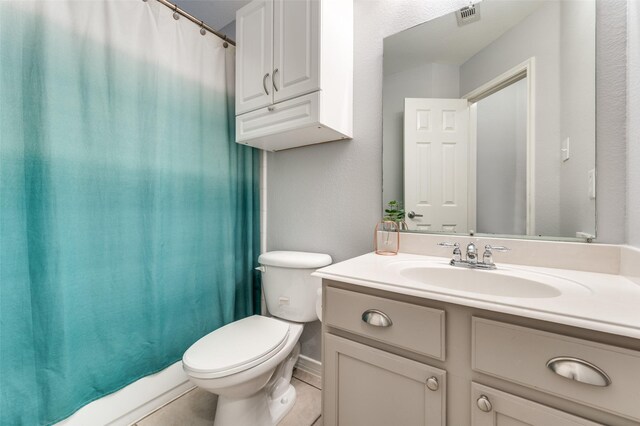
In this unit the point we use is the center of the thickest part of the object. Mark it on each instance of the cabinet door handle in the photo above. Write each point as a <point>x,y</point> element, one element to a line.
<point>275,72</point>
<point>579,370</point>
<point>484,404</point>
<point>264,83</point>
<point>376,318</point>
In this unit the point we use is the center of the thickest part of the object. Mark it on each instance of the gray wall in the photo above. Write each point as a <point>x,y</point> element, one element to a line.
<point>424,81</point>
<point>633,124</point>
<point>611,151</point>
<point>501,175</point>
<point>327,198</point>
<point>577,109</point>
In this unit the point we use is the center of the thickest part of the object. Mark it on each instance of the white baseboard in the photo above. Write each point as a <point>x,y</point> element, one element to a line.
<point>146,395</point>
<point>309,365</point>
<point>135,401</point>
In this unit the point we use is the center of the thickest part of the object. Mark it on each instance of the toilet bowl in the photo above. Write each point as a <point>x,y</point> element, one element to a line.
<point>248,363</point>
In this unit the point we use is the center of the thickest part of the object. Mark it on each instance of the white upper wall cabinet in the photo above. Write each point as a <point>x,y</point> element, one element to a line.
<point>294,73</point>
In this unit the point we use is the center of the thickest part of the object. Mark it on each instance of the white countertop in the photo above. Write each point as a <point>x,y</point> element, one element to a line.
<point>605,302</point>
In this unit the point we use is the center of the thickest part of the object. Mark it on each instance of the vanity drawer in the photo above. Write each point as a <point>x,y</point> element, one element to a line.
<point>520,355</point>
<point>412,327</point>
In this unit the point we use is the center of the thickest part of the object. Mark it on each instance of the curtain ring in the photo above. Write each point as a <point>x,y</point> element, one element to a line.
<point>176,15</point>
<point>202,30</point>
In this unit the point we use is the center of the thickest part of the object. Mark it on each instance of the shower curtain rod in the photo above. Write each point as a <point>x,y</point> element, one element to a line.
<point>196,21</point>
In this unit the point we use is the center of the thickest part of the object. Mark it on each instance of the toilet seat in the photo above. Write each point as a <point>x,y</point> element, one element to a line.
<point>235,347</point>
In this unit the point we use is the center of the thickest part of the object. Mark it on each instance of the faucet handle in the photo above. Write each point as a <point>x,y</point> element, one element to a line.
<point>457,254</point>
<point>487,257</point>
<point>448,244</point>
<point>496,248</point>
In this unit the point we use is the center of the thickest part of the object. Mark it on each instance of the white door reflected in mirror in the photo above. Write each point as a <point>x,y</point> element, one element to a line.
<point>436,139</point>
<point>466,163</point>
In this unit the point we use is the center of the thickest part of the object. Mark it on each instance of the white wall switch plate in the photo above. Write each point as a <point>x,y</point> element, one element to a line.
<point>565,149</point>
<point>592,184</point>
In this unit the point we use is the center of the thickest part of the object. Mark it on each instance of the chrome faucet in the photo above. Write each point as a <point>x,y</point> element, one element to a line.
<point>472,255</point>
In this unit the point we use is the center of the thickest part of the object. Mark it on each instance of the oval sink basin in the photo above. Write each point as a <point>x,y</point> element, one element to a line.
<point>478,281</point>
<point>502,282</point>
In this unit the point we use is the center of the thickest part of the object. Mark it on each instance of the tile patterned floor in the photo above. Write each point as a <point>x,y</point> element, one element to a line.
<point>198,407</point>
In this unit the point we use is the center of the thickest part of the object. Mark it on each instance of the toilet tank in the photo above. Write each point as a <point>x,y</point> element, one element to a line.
<point>289,289</point>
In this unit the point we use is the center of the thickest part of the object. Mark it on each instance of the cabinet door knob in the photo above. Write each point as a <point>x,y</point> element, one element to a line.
<point>432,383</point>
<point>376,318</point>
<point>264,83</point>
<point>579,370</point>
<point>484,404</point>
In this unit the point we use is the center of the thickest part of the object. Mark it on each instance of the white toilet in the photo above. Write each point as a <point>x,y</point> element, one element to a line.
<point>249,362</point>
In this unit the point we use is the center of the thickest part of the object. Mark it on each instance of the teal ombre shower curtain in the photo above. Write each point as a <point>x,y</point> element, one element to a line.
<point>128,216</point>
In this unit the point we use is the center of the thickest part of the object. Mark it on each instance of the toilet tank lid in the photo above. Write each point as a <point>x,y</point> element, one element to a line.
<point>294,259</point>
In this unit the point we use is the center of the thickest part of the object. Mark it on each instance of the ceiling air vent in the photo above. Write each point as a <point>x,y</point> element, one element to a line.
<point>468,14</point>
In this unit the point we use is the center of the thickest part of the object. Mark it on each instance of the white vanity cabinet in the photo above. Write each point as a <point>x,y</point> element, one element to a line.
<point>294,72</point>
<point>392,358</point>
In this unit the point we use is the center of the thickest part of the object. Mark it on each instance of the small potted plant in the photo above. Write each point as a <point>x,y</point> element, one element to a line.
<point>387,233</point>
<point>395,213</point>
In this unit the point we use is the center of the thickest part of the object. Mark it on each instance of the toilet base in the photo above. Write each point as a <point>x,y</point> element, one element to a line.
<point>256,410</point>
<point>251,411</point>
<point>280,407</point>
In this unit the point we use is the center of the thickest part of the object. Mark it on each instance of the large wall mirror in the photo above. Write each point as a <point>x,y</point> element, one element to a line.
<point>489,120</point>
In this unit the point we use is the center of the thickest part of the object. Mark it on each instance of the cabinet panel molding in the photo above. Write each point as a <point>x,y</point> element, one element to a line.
<point>415,328</point>
<point>503,409</point>
<point>369,387</point>
<point>254,56</point>
<point>296,50</point>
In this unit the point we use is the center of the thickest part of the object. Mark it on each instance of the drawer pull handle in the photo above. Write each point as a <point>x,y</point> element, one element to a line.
<point>484,404</point>
<point>432,383</point>
<point>579,370</point>
<point>376,318</point>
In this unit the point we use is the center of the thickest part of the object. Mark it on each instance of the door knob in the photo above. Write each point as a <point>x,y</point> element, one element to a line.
<point>413,214</point>
<point>432,383</point>
<point>484,404</point>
